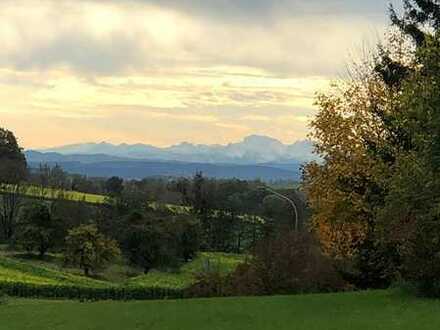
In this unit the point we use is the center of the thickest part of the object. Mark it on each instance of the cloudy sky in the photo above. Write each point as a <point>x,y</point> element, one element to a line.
<point>166,71</point>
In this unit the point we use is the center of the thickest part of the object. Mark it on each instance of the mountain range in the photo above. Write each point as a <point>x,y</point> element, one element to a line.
<point>254,149</point>
<point>256,157</point>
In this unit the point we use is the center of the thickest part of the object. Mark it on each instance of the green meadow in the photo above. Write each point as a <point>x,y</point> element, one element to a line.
<point>17,271</point>
<point>374,310</point>
<point>51,194</point>
<point>184,277</point>
<point>46,273</point>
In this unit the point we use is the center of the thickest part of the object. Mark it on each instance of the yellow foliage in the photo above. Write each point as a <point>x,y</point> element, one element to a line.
<point>338,190</point>
<point>340,240</point>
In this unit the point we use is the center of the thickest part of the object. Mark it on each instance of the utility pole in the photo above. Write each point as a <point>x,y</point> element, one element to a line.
<point>285,198</point>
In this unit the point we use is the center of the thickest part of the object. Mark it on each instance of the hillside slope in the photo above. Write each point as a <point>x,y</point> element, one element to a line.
<point>12,270</point>
<point>27,272</point>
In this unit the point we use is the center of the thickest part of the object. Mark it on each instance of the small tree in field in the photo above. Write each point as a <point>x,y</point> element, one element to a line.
<point>88,249</point>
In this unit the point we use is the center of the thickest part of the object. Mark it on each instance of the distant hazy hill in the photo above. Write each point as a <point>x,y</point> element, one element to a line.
<point>255,157</point>
<point>106,166</point>
<point>252,150</point>
<point>54,157</point>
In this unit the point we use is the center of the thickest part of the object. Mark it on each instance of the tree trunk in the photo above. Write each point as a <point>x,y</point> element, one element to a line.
<point>42,251</point>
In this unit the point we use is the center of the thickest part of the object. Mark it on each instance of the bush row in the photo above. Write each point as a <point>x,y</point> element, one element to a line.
<point>29,290</point>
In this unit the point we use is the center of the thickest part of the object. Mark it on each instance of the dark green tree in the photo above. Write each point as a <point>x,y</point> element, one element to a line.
<point>13,167</point>
<point>419,21</point>
<point>419,17</point>
<point>114,186</point>
<point>187,232</point>
<point>147,245</point>
<point>37,228</point>
<point>13,170</point>
<point>410,216</point>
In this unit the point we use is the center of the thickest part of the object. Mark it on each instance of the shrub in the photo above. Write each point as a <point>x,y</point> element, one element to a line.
<point>375,265</point>
<point>210,281</point>
<point>289,264</point>
<point>28,290</point>
<point>421,259</point>
<point>209,284</point>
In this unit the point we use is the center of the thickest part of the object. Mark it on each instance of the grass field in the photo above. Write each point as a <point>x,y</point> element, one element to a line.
<point>43,273</point>
<point>12,270</point>
<point>48,193</point>
<point>183,278</point>
<point>373,310</point>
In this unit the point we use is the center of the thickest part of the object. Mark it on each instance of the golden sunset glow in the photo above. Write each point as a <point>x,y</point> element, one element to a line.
<point>161,72</point>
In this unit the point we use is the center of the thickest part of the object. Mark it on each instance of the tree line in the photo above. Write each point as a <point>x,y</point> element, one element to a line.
<point>151,223</point>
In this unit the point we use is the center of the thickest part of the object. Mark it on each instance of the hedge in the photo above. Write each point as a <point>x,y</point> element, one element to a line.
<point>29,290</point>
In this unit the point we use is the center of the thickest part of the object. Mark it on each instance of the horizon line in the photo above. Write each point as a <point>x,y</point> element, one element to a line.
<point>48,148</point>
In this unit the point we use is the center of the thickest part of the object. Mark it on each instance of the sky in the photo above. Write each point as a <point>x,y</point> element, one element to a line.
<point>165,71</point>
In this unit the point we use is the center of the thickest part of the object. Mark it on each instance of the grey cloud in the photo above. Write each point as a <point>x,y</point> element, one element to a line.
<point>82,53</point>
<point>243,9</point>
<point>302,48</point>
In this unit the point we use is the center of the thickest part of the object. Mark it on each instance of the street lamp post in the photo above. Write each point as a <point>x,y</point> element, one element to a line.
<point>285,198</point>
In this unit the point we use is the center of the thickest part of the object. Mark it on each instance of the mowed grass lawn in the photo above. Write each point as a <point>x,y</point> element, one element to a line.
<point>351,311</point>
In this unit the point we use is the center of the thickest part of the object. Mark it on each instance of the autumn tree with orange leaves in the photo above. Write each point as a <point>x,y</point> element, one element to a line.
<point>375,196</point>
